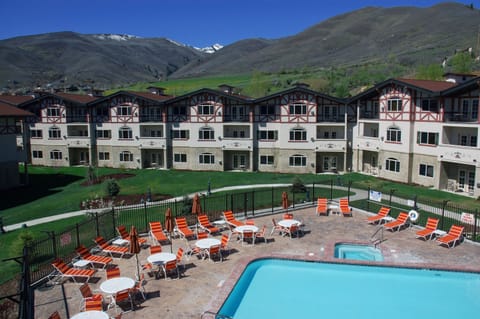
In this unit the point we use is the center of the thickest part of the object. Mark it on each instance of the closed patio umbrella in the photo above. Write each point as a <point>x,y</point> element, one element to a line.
<point>284,200</point>
<point>196,206</point>
<point>169,225</point>
<point>134,246</point>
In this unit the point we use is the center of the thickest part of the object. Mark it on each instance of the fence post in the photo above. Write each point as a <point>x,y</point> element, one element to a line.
<point>331,189</point>
<point>145,214</point>
<point>253,203</point>
<point>368,198</point>
<point>293,198</point>
<point>348,190</point>
<point>313,192</point>
<point>391,194</point>
<point>272,199</point>
<point>77,229</point>
<point>444,204</point>
<point>245,205</point>
<point>97,228</point>
<point>226,202</point>
<point>415,198</point>
<point>475,225</point>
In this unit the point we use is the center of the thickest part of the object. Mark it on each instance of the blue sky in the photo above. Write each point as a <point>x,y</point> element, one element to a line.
<point>194,22</point>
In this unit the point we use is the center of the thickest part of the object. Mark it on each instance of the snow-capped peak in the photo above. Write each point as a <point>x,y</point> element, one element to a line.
<point>116,37</point>
<point>211,49</point>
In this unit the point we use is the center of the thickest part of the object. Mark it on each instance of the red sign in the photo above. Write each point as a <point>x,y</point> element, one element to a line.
<point>65,239</point>
<point>467,218</point>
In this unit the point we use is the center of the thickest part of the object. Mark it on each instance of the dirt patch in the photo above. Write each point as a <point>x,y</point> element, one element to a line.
<point>103,178</point>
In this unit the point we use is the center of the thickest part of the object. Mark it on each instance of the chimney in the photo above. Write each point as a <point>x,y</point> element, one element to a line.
<point>225,88</point>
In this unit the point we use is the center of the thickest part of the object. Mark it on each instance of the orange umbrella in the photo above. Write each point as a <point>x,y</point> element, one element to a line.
<point>196,206</point>
<point>134,246</point>
<point>285,200</point>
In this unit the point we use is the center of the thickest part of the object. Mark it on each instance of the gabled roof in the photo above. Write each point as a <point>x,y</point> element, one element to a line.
<point>7,110</point>
<point>79,98</point>
<point>15,99</point>
<point>302,89</point>
<point>236,97</point>
<point>469,85</point>
<point>427,86</point>
<point>153,98</point>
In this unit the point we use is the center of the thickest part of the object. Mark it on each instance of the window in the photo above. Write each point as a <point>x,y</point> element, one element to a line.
<point>156,133</point>
<point>125,133</point>
<point>475,109</point>
<point>394,104</point>
<point>473,141</point>
<point>326,134</point>
<point>102,111</point>
<point>180,134</point>
<point>53,111</point>
<point>206,158</point>
<point>55,155</point>
<point>180,158</point>
<point>266,159</point>
<point>430,105</point>
<point>394,134</point>
<point>298,134</point>
<point>267,135</point>
<point>298,109</point>
<point>37,154</point>
<point>205,109</point>
<point>103,156</point>
<point>36,133</point>
<point>54,133</point>
<point>425,170</point>
<point>463,140</point>
<point>206,133</point>
<point>392,164</point>
<point>298,160</point>
<point>267,109</point>
<point>124,110</point>
<point>428,138</point>
<point>179,110</point>
<point>104,134</point>
<point>126,156</point>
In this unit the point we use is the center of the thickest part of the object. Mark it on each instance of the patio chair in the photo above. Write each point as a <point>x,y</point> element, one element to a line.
<point>183,229</point>
<point>429,230</point>
<point>91,305</point>
<point>87,295</point>
<point>122,231</point>
<point>380,217</point>
<point>110,249</point>
<point>122,296</point>
<point>322,207</point>
<point>179,257</point>
<point>288,216</point>
<point>248,236</point>
<point>156,233</point>
<point>398,223</point>
<point>113,272</point>
<point>64,271</point>
<point>202,235</point>
<point>214,251</point>
<point>294,229</point>
<point>206,225</point>
<point>83,253</point>
<point>454,236</point>
<point>54,315</point>
<point>277,228</point>
<point>224,244</point>
<point>169,267</point>
<point>231,220</point>
<point>155,249</point>
<point>140,286</point>
<point>345,208</point>
<point>262,234</point>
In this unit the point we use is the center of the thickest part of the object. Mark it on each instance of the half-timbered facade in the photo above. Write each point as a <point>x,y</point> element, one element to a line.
<point>412,131</point>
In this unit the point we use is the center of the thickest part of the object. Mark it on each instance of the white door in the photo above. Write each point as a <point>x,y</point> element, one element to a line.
<point>329,163</point>
<point>239,161</point>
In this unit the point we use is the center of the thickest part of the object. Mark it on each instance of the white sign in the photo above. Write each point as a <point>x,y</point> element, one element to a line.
<point>410,203</point>
<point>467,218</point>
<point>376,196</point>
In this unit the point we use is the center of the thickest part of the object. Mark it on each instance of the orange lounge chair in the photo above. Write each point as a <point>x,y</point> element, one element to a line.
<point>122,231</point>
<point>429,230</point>
<point>68,272</point>
<point>380,217</point>
<point>231,220</point>
<point>345,207</point>
<point>183,229</point>
<point>156,232</point>
<point>396,224</point>
<point>83,252</point>
<point>88,295</point>
<point>322,208</point>
<point>205,224</point>
<point>110,249</point>
<point>454,235</point>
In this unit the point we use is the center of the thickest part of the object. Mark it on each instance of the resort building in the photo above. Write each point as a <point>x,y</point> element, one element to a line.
<point>422,132</point>
<point>12,140</point>
<point>411,131</point>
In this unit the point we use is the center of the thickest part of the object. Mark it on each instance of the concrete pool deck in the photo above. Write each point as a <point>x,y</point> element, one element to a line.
<point>204,284</point>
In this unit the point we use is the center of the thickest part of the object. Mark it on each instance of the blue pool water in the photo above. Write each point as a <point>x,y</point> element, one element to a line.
<point>276,288</point>
<point>357,252</point>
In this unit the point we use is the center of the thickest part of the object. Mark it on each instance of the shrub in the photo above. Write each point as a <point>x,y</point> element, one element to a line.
<point>112,189</point>
<point>298,186</point>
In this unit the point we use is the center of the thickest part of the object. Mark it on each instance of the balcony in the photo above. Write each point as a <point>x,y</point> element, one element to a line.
<point>330,145</point>
<point>459,154</point>
<point>243,144</point>
<point>461,117</point>
<point>368,143</point>
<point>77,141</point>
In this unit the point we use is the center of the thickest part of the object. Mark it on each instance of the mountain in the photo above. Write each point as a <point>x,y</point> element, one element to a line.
<point>405,35</point>
<point>101,60</point>
<point>409,35</point>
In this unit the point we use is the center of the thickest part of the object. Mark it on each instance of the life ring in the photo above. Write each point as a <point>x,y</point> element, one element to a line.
<point>413,215</point>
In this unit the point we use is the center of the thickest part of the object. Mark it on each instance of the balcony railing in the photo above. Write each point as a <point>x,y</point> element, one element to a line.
<point>460,117</point>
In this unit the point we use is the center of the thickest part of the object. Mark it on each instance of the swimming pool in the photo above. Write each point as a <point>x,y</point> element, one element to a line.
<point>357,252</point>
<point>277,288</point>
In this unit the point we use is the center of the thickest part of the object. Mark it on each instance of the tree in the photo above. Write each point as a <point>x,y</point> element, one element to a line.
<point>462,62</point>
<point>430,72</point>
<point>112,189</point>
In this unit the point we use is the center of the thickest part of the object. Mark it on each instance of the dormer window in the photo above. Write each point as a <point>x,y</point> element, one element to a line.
<point>124,110</point>
<point>53,112</point>
<point>298,108</point>
<point>205,109</point>
<point>394,104</point>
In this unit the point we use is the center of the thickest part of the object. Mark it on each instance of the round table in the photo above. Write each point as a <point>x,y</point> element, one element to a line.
<point>114,285</point>
<point>241,229</point>
<point>91,314</point>
<point>161,258</point>
<point>206,243</point>
<point>287,223</point>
